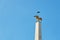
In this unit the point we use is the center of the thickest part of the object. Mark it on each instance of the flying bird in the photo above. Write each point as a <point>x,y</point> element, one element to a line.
<point>38,11</point>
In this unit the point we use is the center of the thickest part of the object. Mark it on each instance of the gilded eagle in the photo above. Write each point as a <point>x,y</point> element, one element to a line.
<point>37,17</point>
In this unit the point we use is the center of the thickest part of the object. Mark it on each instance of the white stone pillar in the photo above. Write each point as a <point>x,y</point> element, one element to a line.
<point>38,31</point>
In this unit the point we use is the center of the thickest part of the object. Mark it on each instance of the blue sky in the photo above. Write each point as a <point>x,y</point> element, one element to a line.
<point>17,20</point>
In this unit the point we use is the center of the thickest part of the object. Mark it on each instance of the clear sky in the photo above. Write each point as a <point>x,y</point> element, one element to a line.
<point>17,20</point>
